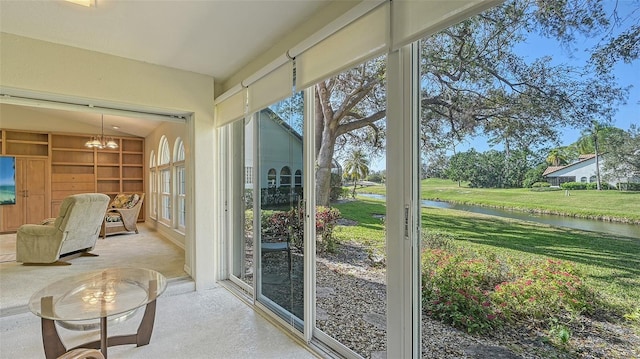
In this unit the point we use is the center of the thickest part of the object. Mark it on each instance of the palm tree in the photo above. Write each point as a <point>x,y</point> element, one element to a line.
<point>356,167</point>
<point>593,140</point>
<point>556,157</point>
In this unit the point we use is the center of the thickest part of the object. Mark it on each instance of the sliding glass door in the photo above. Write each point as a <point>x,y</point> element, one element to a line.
<point>280,214</point>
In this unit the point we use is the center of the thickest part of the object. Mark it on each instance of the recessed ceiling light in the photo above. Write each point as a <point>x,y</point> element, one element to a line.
<point>115,127</point>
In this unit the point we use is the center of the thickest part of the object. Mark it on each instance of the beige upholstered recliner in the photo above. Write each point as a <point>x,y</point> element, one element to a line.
<point>74,231</point>
<point>122,214</point>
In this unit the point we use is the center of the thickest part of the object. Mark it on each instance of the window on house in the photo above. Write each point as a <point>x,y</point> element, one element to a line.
<point>271,177</point>
<point>298,179</point>
<point>153,186</point>
<point>583,179</point>
<point>180,190</point>
<point>285,177</point>
<point>164,170</point>
<point>592,179</point>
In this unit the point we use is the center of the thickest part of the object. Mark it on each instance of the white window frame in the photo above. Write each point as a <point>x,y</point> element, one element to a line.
<point>164,181</point>
<point>153,186</point>
<point>179,180</point>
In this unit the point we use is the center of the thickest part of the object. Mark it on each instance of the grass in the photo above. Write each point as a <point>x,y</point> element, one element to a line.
<point>611,264</point>
<point>612,204</point>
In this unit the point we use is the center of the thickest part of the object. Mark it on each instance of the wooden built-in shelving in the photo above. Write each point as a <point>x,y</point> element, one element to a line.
<point>73,168</point>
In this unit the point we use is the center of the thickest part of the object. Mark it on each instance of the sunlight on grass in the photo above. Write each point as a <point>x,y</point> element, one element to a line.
<point>611,264</point>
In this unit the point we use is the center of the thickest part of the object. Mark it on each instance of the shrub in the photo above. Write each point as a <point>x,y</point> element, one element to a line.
<point>456,289</point>
<point>326,220</point>
<point>290,224</point>
<point>604,185</point>
<point>478,291</point>
<point>574,185</point>
<point>541,184</point>
<point>629,186</point>
<point>544,290</point>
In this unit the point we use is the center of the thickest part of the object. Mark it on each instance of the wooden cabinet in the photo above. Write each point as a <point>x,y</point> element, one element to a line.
<point>32,184</point>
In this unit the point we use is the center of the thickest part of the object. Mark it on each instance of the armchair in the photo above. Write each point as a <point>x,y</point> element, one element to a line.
<point>122,214</point>
<point>74,231</point>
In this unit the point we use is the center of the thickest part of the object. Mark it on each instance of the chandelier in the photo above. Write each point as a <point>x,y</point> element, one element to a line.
<point>100,141</point>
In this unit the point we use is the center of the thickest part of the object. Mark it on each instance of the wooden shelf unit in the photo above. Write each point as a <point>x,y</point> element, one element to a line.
<point>20,143</point>
<point>71,168</point>
<point>113,171</point>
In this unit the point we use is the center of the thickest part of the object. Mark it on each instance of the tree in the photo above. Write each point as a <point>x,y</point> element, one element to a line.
<point>356,167</point>
<point>345,104</point>
<point>556,157</point>
<point>596,140</point>
<point>623,156</point>
<point>474,82</point>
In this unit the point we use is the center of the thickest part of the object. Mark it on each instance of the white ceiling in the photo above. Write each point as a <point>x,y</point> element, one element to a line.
<point>212,37</point>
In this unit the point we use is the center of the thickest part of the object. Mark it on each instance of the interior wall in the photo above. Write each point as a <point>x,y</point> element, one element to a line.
<point>45,67</point>
<point>171,131</point>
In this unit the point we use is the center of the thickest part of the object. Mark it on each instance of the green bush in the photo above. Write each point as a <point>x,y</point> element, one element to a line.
<point>290,225</point>
<point>604,186</point>
<point>541,184</point>
<point>629,186</point>
<point>574,186</point>
<point>543,290</point>
<point>456,289</point>
<point>479,292</point>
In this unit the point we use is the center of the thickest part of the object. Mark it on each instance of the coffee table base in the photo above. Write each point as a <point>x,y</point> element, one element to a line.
<point>53,346</point>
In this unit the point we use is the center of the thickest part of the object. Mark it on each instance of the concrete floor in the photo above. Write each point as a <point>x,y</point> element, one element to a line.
<point>206,324</point>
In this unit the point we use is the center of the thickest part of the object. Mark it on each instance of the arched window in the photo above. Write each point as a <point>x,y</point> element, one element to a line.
<point>180,184</point>
<point>164,170</point>
<point>285,177</point>
<point>583,179</point>
<point>592,179</point>
<point>298,178</point>
<point>153,185</point>
<point>271,177</point>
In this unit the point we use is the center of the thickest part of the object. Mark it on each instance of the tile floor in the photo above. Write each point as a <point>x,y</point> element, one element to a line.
<point>206,324</point>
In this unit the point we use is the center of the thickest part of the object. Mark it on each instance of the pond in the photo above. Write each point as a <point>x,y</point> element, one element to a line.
<point>621,229</point>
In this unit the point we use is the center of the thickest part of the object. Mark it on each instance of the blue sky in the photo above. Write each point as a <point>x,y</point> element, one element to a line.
<point>535,47</point>
<point>626,74</point>
<point>7,172</point>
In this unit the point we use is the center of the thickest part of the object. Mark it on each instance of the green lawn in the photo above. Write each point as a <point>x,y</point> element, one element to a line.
<point>591,204</point>
<point>611,264</point>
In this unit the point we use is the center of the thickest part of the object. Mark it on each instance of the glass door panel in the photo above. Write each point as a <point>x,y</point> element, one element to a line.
<point>350,205</point>
<point>281,216</point>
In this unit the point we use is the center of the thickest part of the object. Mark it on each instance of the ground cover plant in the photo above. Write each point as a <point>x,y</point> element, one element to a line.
<point>482,273</point>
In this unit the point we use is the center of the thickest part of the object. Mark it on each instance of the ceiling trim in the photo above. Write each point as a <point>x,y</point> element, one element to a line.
<point>21,97</point>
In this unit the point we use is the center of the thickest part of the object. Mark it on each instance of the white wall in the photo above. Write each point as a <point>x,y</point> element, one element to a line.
<point>47,68</point>
<point>278,148</point>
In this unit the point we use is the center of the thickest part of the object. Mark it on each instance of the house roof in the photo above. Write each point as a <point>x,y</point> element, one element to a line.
<point>581,158</point>
<point>551,169</point>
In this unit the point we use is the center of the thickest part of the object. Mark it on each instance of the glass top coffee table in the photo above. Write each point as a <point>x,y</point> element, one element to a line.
<point>112,292</point>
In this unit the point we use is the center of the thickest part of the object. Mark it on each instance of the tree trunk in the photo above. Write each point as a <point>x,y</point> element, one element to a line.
<point>597,163</point>
<point>325,143</point>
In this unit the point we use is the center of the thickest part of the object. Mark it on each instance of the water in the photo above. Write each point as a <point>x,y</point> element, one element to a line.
<point>621,229</point>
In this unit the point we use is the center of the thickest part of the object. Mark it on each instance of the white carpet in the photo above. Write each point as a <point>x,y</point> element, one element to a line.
<point>144,250</point>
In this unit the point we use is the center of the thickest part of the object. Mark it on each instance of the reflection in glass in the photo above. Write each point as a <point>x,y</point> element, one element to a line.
<point>280,154</point>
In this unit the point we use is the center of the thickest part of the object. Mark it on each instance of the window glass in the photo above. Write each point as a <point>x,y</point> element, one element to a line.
<point>350,224</point>
<point>285,177</point>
